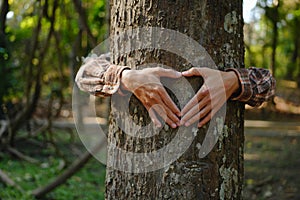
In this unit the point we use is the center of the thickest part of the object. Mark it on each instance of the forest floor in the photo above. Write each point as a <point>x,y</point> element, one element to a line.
<point>272,164</point>
<point>272,147</point>
<point>272,157</point>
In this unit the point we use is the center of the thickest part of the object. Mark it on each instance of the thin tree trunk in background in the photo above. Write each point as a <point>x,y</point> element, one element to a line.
<point>217,26</point>
<point>274,46</point>
<point>273,14</point>
<point>295,57</point>
<point>32,99</point>
<point>83,22</point>
<point>4,8</point>
<point>107,17</point>
<point>3,12</point>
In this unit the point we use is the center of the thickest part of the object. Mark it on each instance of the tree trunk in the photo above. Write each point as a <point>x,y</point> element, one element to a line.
<point>218,27</point>
<point>4,53</point>
<point>272,14</point>
<point>274,46</point>
<point>4,8</point>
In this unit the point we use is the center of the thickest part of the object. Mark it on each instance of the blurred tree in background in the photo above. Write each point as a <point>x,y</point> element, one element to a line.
<point>41,45</point>
<point>272,38</point>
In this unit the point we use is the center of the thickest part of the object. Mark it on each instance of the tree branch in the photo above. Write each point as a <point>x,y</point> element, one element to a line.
<point>8,181</point>
<point>21,155</point>
<point>70,171</point>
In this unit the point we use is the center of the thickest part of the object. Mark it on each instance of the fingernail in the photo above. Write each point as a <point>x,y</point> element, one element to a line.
<point>158,125</point>
<point>173,125</point>
<point>187,124</point>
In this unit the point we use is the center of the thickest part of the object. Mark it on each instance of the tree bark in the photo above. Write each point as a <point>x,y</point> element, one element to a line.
<point>218,27</point>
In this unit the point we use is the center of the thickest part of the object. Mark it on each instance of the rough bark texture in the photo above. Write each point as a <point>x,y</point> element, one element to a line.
<point>217,26</point>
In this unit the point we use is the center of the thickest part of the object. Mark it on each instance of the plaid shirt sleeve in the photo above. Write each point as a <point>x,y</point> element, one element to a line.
<point>257,85</point>
<point>98,77</point>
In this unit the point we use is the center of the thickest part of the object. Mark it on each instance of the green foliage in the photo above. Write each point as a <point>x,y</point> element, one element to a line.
<point>261,34</point>
<point>44,42</point>
<point>59,56</point>
<point>88,183</point>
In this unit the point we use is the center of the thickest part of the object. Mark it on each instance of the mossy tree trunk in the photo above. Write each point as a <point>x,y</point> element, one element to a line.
<point>218,27</point>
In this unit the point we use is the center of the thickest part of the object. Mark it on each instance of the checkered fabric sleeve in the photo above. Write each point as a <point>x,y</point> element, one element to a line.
<point>257,85</point>
<point>98,77</point>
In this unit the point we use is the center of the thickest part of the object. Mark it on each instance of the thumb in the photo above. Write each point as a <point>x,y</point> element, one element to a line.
<point>169,73</point>
<point>192,72</point>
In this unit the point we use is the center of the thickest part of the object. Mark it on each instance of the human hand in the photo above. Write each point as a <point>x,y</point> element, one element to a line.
<point>217,88</point>
<point>146,86</point>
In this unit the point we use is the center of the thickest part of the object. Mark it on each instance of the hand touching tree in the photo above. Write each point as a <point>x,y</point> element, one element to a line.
<point>217,88</point>
<point>146,86</point>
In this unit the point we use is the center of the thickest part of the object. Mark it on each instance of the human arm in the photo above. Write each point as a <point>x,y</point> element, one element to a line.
<point>252,86</point>
<point>101,78</point>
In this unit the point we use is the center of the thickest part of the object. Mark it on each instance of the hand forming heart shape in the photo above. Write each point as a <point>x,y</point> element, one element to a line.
<point>217,88</point>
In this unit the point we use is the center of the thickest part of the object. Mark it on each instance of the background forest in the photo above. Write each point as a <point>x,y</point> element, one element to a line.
<point>42,43</point>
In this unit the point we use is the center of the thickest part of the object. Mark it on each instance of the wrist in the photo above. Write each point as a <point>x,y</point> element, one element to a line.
<point>232,84</point>
<point>235,81</point>
<point>125,79</point>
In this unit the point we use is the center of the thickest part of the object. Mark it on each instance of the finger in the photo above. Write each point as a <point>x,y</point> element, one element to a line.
<point>189,105</point>
<point>171,123</point>
<point>213,111</point>
<point>169,102</point>
<point>199,115</point>
<point>206,119</point>
<point>169,73</point>
<point>203,92</point>
<point>162,112</point>
<point>171,116</point>
<point>192,112</point>
<point>154,118</point>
